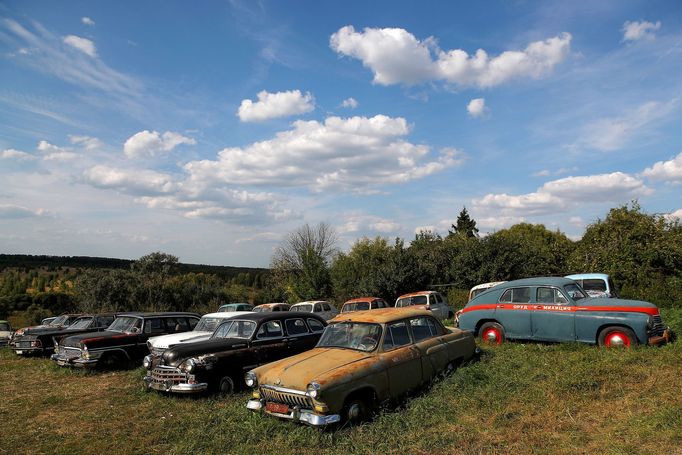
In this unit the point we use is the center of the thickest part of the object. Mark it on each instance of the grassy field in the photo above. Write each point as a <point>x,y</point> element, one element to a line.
<point>517,398</point>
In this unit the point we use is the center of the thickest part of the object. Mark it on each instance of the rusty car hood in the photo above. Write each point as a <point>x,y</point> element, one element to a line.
<point>298,371</point>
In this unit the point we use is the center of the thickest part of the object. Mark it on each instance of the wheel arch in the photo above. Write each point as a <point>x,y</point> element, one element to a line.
<point>616,324</point>
<point>480,323</point>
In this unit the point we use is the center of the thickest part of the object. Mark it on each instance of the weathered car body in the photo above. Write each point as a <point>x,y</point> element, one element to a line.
<point>363,358</point>
<point>236,346</point>
<point>46,321</point>
<point>230,307</point>
<point>43,341</point>
<point>481,288</point>
<point>5,332</point>
<point>60,322</point>
<point>557,309</point>
<point>595,284</point>
<point>201,332</point>
<point>124,342</point>
<point>321,308</point>
<point>363,304</point>
<point>270,307</point>
<point>427,300</point>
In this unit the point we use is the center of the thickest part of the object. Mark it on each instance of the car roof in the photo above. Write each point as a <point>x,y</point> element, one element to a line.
<point>538,281</point>
<point>587,276</point>
<point>258,317</point>
<point>142,314</point>
<point>381,315</point>
<point>487,285</point>
<point>236,303</point>
<point>226,315</point>
<point>362,299</point>
<point>413,294</point>
<point>308,302</point>
<point>266,305</point>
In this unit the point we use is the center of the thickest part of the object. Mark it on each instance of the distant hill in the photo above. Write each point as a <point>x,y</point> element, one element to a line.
<point>28,261</point>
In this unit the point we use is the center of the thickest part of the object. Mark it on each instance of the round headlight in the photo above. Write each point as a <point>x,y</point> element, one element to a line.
<point>313,389</point>
<point>250,379</point>
<point>147,362</point>
<point>188,365</point>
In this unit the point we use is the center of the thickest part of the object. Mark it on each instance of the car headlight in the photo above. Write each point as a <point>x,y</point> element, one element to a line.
<point>313,389</point>
<point>188,365</point>
<point>147,362</point>
<point>251,380</point>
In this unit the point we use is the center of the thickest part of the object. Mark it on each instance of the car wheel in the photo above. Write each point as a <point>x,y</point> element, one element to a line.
<point>492,332</point>
<point>110,361</point>
<point>226,386</point>
<point>621,337</point>
<point>356,410</point>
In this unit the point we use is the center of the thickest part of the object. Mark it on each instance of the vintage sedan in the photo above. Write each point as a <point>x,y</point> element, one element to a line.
<point>270,307</point>
<point>364,303</point>
<point>595,284</point>
<point>43,341</point>
<point>558,309</point>
<point>322,308</point>
<point>230,307</point>
<point>5,332</point>
<point>364,358</point>
<point>236,346</point>
<point>61,322</point>
<point>124,342</point>
<point>427,300</point>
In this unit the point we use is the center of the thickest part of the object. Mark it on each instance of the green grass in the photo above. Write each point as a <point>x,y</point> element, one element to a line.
<point>518,398</point>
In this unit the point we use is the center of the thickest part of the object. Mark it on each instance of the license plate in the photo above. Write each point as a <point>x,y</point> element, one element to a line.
<point>277,408</point>
<point>20,352</point>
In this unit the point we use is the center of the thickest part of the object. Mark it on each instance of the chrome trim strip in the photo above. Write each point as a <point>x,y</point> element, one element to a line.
<point>284,390</point>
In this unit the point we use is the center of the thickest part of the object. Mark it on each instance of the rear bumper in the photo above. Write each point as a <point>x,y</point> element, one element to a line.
<point>77,362</point>
<point>27,351</point>
<point>169,386</point>
<point>658,340</point>
<point>297,415</point>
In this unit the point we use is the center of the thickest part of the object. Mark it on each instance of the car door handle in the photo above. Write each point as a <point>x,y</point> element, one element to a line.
<point>538,307</point>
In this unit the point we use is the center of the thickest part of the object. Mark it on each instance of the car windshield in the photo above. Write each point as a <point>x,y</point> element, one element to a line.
<point>307,308</point>
<point>126,324</point>
<point>261,309</point>
<point>355,306</point>
<point>59,321</point>
<point>81,323</point>
<point>207,324</point>
<point>415,300</point>
<point>359,336</point>
<point>227,309</point>
<point>235,329</point>
<point>4,327</point>
<point>574,291</point>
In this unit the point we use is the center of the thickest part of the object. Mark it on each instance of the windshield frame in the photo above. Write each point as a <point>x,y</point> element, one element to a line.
<point>332,326</point>
<point>230,322</point>
<point>59,321</point>
<point>119,320</point>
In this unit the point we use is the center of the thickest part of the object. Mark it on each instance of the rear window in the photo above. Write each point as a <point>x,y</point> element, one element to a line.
<point>516,295</point>
<point>307,308</point>
<point>315,325</point>
<point>356,306</point>
<point>594,285</point>
<point>415,300</point>
<point>154,326</point>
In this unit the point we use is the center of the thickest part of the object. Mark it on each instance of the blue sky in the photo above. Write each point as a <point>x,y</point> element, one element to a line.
<point>210,131</point>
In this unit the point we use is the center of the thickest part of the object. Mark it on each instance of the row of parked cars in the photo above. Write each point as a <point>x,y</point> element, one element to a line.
<point>305,367</point>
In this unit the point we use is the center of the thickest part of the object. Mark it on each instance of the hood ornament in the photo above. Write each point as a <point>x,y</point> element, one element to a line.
<point>278,381</point>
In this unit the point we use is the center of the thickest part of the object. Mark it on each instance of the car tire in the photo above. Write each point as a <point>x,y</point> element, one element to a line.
<point>492,333</point>
<point>355,411</point>
<point>110,361</point>
<point>226,386</point>
<point>617,336</point>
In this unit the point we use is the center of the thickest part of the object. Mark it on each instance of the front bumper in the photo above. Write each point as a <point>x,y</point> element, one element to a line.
<point>658,340</point>
<point>27,351</point>
<point>77,362</point>
<point>171,386</point>
<point>297,414</point>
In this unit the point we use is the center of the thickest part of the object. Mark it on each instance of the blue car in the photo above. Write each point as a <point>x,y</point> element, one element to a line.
<point>558,309</point>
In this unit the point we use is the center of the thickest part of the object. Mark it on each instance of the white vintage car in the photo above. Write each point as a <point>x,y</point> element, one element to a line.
<point>202,331</point>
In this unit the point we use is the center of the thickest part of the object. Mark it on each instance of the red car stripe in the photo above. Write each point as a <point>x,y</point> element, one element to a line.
<point>569,308</point>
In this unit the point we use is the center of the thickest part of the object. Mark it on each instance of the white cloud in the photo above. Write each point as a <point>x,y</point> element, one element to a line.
<point>560,171</point>
<point>352,154</point>
<point>132,181</point>
<point>275,105</point>
<point>261,237</point>
<point>10,211</point>
<point>674,216</point>
<point>638,30</point>
<point>87,142</point>
<point>18,155</point>
<point>84,45</point>
<point>350,103</point>
<point>668,171</point>
<point>356,223</point>
<point>152,143</point>
<point>576,221</point>
<point>476,107</point>
<point>494,223</point>
<point>87,21</point>
<point>396,56</point>
<point>610,134</point>
<point>558,195</point>
<point>55,153</point>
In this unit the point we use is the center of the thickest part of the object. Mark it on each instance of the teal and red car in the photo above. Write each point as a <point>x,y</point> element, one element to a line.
<point>559,310</point>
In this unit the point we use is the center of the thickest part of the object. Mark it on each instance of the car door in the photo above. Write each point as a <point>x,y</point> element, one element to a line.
<point>514,310</point>
<point>552,318</point>
<point>268,343</point>
<point>402,359</point>
<point>433,352</point>
<point>298,338</point>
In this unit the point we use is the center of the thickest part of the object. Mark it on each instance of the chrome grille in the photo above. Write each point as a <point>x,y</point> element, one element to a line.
<point>69,353</point>
<point>23,344</point>
<point>658,327</point>
<point>163,375</point>
<point>292,399</point>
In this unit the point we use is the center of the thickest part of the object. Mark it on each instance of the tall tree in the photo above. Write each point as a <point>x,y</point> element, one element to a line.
<point>465,225</point>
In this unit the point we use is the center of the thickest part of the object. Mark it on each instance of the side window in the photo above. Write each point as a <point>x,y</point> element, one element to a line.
<point>315,325</point>
<point>521,295</point>
<point>154,326</point>
<point>270,329</point>
<point>105,321</point>
<point>222,330</point>
<point>507,296</point>
<point>396,336</point>
<point>326,307</point>
<point>318,308</point>
<point>176,325</point>
<point>420,329</point>
<point>594,285</point>
<point>192,322</point>
<point>439,298</point>
<point>550,295</point>
<point>295,327</point>
<point>434,327</point>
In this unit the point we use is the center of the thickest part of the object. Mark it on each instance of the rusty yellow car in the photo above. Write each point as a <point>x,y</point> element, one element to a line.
<point>363,359</point>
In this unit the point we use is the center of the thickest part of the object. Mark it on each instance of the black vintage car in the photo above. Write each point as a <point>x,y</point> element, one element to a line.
<point>237,345</point>
<point>61,322</point>
<point>124,342</point>
<point>42,341</point>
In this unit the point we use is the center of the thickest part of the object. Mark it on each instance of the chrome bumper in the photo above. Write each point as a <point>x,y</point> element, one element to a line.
<point>77,362</point>
<point>662,339</point>
<point>168,386</point>
<point>297,415</point>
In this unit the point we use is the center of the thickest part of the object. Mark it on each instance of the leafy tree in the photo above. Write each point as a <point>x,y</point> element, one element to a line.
<point>465,225</point>
<point>153,273</point>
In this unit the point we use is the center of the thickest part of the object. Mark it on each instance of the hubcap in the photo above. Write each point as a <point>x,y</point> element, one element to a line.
<point>617,339</point>
<point>492,336</point>
<point>354,411</point>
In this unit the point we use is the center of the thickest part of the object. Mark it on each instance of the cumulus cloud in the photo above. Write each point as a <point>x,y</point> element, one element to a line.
<point>10,211</point>
<point>356,223</point>
<point>353,154</point>
<point>152,143</point>
<point>674,216</point>
<point>87,142</point>
<point>275,105</point>
<point>558,195</point>
<point>638,30</point>
<point>17,155</point>
<point>87,21</point>
<point>55,153</point>
<point>350,103</point>
<point>396,56</point>
<point>131,181</point>
<point>668,171</point>
<point>84,45</point>
<point>476,107</point>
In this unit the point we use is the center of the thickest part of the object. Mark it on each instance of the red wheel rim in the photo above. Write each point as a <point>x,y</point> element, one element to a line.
<point>617,339</point>
<point>492,335</point>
